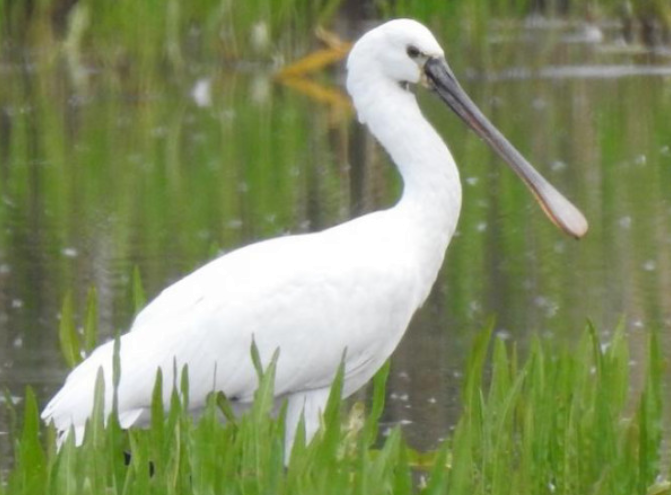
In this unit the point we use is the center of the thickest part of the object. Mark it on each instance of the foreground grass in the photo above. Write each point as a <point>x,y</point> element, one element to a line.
<point>558,422</point>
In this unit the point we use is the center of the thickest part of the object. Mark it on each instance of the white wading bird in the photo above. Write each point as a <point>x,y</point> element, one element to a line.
<point>354,286</point>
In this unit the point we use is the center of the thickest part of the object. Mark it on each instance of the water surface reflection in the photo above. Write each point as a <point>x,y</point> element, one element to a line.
<point>100,175</point>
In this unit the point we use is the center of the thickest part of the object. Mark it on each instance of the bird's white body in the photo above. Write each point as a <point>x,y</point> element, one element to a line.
<point>353,287</point>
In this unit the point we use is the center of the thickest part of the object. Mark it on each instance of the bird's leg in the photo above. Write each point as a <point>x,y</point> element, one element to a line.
<point>128,458</point>
<point>310,404</point>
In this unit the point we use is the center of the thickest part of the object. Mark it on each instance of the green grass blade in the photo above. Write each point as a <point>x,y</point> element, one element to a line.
<point>91,321</point>
<point>370,429</point>
<point>67,334</point>
<point>139,297</point>
<point>30,474</point>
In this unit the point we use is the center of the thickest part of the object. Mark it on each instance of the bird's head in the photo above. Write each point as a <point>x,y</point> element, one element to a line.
<point>397,51</point>
<point>403,52</point>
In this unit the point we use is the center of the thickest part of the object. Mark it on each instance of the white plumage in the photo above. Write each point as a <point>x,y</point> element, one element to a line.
<point>354,286</point>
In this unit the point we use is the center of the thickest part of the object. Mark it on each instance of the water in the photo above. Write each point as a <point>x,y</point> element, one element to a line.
<point>103,170</point>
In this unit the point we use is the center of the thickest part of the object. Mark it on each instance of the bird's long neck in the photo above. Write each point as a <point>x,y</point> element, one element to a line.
<point>431,199</point>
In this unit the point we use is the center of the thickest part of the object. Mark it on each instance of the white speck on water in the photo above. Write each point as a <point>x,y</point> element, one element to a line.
<point>134,158</point>
<point>397,396</point>
<point>17,303</point>
<point>665,150</point>
<point>640,160</point>
<point>260,89</point>
<point>260,36</point>
<point>189,118</point>
<point>625,222</point>
<point>431,400</point>
<point>496,101</point>
<point>69,252</point>
<point>5,269</point>
<point>14,399</point>
<point>503,334</point>
<point>481,227</point>
<point>404,375</point>
<point>404,422</point>
<point>227,115</point>
<point>18,342</point>
<point>78,101</point>
<point>650,266</point>
<point>304,226</point>
<point>548,305</point>
<point>243,187</point>
<point>557,166</point>
<point>159,131</point>
<point>471,181</point>
<point>588,33</point>
<point>234,223</point>
<point>202,92</point>
<point>539,104</point>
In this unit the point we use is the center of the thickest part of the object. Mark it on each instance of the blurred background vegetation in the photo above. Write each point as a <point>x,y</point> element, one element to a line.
<point>156,134</point>
<point>168,32</point>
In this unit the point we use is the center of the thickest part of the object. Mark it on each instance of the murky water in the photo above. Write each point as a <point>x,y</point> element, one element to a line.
<point>102,171</point>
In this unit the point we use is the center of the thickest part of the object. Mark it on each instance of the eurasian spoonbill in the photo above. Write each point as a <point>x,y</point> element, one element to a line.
<point>352,287</point>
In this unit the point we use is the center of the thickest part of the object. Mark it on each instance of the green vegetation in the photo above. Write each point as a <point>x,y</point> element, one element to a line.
<point>128,33</point>
<point>560,421</point>
<point>129,170</point>
<point>106,163</point>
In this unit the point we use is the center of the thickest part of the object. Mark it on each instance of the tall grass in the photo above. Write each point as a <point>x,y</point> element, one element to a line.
<point>126,33</point>
<point>68,159</point>
<point>648,21</point>
<point>488,9</point>
<point>169,33</point>
<point>559,421</point>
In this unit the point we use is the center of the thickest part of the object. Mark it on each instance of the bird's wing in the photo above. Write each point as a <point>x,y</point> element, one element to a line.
<point>311,296</point>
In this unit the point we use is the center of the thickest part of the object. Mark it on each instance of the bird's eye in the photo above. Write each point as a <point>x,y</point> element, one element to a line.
<point>413,51</point>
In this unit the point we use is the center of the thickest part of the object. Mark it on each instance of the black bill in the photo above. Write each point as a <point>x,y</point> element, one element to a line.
<point>559,209</point>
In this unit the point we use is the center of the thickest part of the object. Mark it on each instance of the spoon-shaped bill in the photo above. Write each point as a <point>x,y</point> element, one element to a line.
<point>559,209</point>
